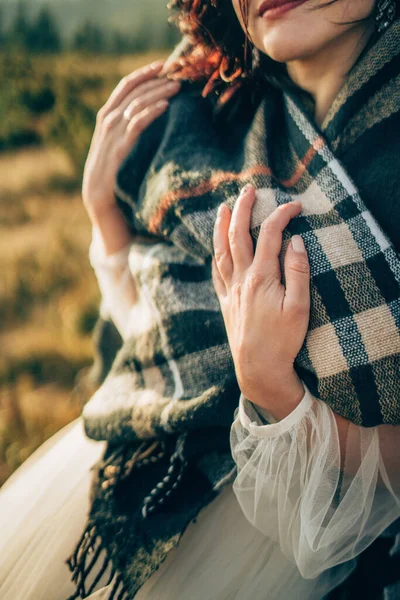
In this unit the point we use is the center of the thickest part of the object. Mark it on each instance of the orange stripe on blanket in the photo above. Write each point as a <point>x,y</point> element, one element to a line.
<point>170,198</point>
<point>318,143</point>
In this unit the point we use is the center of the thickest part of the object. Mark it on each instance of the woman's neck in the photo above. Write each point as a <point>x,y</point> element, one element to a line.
<point>323,74</point>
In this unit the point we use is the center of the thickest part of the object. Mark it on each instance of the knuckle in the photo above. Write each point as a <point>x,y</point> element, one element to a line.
<point>126,80</point>
<point>221,256</point>
<point>299,310</point>
<point>130,78</point>
<point>136,105</point>
<point>135,126</point>
<point>139,118</point>
<point>142,113</point>
<point>255,280</point>
<point>236,288</point>
<point>234,236</point>
<point>141,73</point>
<point>101,114</point>
<point>300,266</point>
<point>268,226</point>
<point>110,120</point>
<point>146,69</point>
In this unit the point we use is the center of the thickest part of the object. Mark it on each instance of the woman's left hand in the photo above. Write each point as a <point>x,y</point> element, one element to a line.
<point>266,322</point>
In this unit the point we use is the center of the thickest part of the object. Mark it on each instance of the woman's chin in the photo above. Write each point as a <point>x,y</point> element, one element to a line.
<point>280,42</point>
<point>281,53</point>
<point>284,47</point>
<point>298,38</point>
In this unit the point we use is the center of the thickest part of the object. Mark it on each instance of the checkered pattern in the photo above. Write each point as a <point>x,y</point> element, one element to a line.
<point>353,343</point>
<point>350,358</point>
<point>175,381</point>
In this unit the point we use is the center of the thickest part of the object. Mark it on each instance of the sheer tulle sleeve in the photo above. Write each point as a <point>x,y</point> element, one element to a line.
<point>115,281</point>
<point>294,485</point>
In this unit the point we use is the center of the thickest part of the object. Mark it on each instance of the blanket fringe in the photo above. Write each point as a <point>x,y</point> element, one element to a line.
<point>90,546</point>
<point>118,588</point>
<point>86,555</point>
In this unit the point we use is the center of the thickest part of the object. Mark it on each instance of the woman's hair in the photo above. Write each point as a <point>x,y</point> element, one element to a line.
<point>220,53</point>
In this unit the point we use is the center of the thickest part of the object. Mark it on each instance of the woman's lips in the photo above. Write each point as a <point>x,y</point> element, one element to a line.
<point>273,9</point>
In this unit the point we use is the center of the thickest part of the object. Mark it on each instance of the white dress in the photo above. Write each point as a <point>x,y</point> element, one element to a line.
<point>289,528</point>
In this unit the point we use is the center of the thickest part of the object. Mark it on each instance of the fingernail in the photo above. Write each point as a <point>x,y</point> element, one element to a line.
<point>245,189</point>
<point>298,244</point>
<point>161,103</point>
<point>220,209</point>
<point>156,64</point>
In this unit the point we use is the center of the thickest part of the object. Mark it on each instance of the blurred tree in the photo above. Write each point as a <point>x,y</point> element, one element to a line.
<point>90,37</point>
<point>20,28</point>
<point>118,43</point>
<point>41,98</point>
<point>2,30</point>
<point>142,38</point>
<point>44,35</point>
<point>72,123</point>
<point>121,43</point>
<point>17,75</point>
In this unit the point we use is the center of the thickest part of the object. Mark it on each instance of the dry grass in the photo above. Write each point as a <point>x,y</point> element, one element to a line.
<point>19,172</point>
<point>74,64</point>
<point>48,292</point>
<point>49,296</point>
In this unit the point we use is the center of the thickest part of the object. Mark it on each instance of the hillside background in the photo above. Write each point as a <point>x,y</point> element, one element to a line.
<point>58,65</point>
<point>141,22</point>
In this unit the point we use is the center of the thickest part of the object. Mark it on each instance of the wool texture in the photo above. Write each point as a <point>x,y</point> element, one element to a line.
<point>167,396</point>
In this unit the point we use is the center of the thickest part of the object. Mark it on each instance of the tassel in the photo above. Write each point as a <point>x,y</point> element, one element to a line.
<point>118,588</point>
<point>77,564</point>
<point>112,470</point>
<point>99,575</point>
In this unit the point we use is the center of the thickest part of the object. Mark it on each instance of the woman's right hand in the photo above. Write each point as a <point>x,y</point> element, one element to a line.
<point>138,99</point>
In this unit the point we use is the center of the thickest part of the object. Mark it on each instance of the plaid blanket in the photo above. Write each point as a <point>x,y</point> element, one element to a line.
<point>168,395</point>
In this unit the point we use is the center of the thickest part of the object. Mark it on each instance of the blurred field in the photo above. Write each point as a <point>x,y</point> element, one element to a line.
<point>48,292</point>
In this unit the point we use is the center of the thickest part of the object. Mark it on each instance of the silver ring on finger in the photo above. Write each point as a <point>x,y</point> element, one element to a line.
<point>126,115</point>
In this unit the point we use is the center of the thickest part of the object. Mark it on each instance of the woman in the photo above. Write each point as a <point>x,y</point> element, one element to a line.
<point>302,531</point>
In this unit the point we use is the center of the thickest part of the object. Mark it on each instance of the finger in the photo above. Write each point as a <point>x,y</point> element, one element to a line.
<point>240,241</point>
<point>217,280</point>
<point>110,115</point>
<point>127,84</point>
<point>297,275</point>
<point>151,97</point>
<point>147,86</point>
<point>110,127</point>
<point>134,107</point>
<point>139,122</point>
<point>222,251</point>
<point>115,120</point>
<point>269,241</point>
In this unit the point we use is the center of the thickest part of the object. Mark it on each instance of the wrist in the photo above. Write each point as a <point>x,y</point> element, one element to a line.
<point>279,397</point>
<point>97,213</point>
<point>112,228</point>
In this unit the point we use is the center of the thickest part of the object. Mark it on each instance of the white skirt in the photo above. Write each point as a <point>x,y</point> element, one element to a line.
<point>43,510</point>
